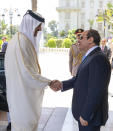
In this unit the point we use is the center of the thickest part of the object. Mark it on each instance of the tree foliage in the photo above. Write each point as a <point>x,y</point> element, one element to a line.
<point>62,33</point>
<point>107,16</point>
<point>53,27</point>
<point>7,30</point>
<point>3,27</point>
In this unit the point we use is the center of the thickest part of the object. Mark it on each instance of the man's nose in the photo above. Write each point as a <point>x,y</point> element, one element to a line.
<point>78,41</point>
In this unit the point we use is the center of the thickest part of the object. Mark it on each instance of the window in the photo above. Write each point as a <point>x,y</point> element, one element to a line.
<point>91,3</point>
<point>67,2</point>
<point>82,4</point>
<point>82,16</point>
<point>100,4</point>
<point>82,26</point>
<point>67,15</point>
<point>67,27</point>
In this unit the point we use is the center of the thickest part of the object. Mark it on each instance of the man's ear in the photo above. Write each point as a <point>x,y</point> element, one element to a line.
<point>91,40</point>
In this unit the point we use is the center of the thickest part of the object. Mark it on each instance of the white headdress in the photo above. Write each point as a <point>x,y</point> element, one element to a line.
<point>30,21</point>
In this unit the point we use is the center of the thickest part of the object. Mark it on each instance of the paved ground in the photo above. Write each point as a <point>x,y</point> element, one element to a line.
<point>52,119</point>
<point>55,114</point>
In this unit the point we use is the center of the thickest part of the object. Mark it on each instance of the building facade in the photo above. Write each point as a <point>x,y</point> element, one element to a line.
<point>75,14</point>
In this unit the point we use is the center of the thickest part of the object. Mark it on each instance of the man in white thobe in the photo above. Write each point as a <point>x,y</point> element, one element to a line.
<point>25,85</point>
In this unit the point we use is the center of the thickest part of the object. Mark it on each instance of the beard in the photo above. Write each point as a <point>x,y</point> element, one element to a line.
<point>37,41</point>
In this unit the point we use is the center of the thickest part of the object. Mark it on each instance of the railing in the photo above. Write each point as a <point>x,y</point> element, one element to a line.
<point>54,50</point>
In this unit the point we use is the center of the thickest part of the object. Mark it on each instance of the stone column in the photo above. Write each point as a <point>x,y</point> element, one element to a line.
<point>34,5</point>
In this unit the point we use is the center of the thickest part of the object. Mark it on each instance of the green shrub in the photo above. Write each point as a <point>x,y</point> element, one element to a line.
<point>52,43</point>
<point>59,43</point>
<point>0,44</point>
<point>67,43</point>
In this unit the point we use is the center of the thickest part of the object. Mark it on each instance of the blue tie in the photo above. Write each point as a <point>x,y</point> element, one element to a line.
<point>83,58</point>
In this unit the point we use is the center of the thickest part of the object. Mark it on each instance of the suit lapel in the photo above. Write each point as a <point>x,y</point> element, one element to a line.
<point>98,49</point>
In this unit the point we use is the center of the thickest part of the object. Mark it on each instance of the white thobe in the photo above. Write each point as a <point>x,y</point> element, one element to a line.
<point>25,85</point>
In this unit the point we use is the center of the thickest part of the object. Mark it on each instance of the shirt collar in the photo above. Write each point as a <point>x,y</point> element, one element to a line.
<point>90,50</point>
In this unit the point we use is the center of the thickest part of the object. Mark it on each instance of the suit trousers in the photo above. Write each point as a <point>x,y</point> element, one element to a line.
<point>88,128</point>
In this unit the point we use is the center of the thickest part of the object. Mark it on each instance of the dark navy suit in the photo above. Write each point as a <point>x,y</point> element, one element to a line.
<point>107,52</point>
<point>90,89</point>
<point>4,46</point>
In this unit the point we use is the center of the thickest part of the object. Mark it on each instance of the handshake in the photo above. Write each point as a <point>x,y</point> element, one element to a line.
<point>55,85</point>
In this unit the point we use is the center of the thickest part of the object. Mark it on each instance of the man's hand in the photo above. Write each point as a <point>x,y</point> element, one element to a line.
<point>83,122</point>
<point>56,85</point>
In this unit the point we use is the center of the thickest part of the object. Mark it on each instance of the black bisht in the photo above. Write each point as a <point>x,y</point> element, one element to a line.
<point>3,99</point>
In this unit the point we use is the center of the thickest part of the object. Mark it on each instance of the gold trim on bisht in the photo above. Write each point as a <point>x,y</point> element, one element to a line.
<point>34,52</point>
<point>36,56</point>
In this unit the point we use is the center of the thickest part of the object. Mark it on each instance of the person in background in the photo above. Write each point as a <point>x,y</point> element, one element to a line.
<point>75,55</point>
<point>110,43</point>
<point>105,49</point>
<point>4,45</point>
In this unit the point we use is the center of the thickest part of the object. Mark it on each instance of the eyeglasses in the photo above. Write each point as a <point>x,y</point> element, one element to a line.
<point>81,37</point>
<point>78,35</point>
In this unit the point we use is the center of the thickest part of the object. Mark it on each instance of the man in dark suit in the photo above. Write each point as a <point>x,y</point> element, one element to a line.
<point>4,45</point>
<point>105,49</point>
<point>90,86</point>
